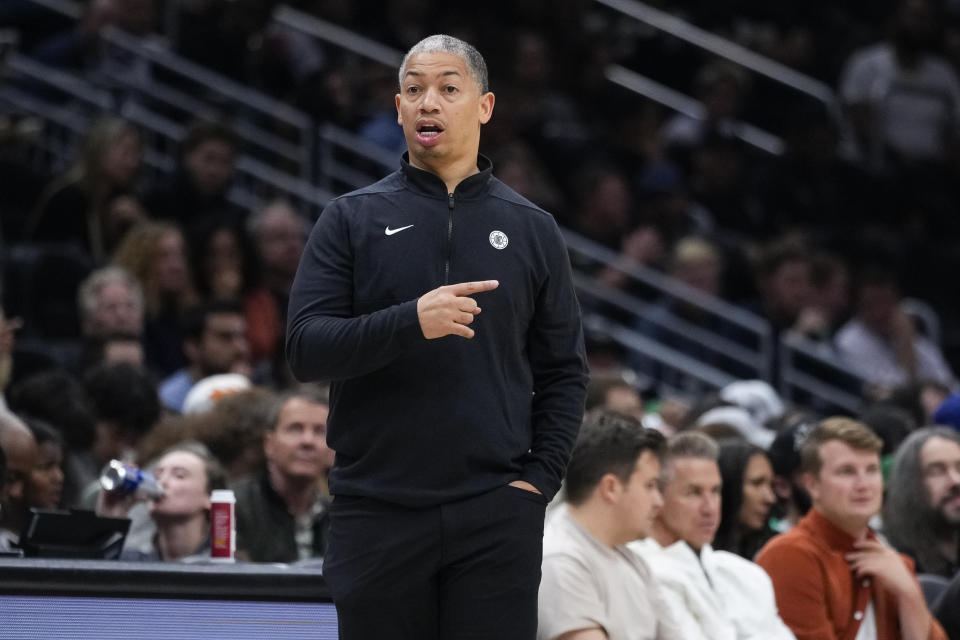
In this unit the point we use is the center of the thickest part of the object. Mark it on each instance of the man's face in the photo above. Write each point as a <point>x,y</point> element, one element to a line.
<point>626,400</point>
<point>940,465</point>
<point>878,306</point>
<point>691,500</point>
<point>790,287</point>
<point>223,347</point>
<point>640,500</point>
<point>441,108</point>
<point>848,490</point>
<point>116,311</point>
<point>210,164</point>
<point>297,445</point>
<point>281,239</point>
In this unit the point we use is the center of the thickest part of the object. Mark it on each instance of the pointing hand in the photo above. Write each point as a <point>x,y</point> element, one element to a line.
<point>448,310</point>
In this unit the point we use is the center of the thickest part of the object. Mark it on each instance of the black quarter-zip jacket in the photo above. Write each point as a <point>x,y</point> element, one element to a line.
<point>421,422</point>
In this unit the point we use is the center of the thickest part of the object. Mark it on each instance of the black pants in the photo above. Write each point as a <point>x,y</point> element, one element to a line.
<point>468,569</point>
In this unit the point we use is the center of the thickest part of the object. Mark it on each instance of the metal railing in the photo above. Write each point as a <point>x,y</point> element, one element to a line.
<point>338,36</point>
<point>256,107</point>
<point>723,48</point>
<point>805,372</point>
<point>682,103</point>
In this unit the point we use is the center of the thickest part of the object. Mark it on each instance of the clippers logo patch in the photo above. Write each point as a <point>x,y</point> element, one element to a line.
<point>499,240</point>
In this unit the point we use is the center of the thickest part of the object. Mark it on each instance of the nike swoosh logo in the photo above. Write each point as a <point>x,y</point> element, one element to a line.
<point>390,231</point>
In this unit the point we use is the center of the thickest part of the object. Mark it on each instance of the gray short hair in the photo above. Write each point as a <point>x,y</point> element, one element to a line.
<point>476,66</point>
<point>90,287</point>
<point>688,444</point>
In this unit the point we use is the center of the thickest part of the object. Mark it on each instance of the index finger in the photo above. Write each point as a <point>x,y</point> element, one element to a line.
<point>464,288</point>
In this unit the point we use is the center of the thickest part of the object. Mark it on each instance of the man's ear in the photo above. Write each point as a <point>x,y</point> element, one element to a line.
<point>486,106</point>
<point>399,117</point>
<point>610,488</point>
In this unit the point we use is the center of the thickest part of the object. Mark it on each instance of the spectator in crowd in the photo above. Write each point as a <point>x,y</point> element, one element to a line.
<point>921,516</point>
<point>44,488</point>
<point>82,48</point>
<point>110,302</point>
<point>829,299</point>
<point>110,349</point>
<point>713,594</point>
<point>695,262</point>
<point>881,343</point>
<point>613,390</point>
<point>73,209</point>
<point>793,501</point>
<point>20,451</point>
<point>892,424</point>
<point>901,97</point>
<point>811,188</point>
<point>8,329</point>
<point>746,499</point>
<point>279,234</point>
<point>199,188</point>
<point>832,576</point>
<point>188,474</point>
<point>666,206</point>
<point>518,166</point>
<point>226,267</point>
<point>282,511</point>
<point>784,278</point>
<point>60,400</point>
<point>155,254</point>
<point>593,586</point>
<point>3,481</point>
<point>215,342</point>
<point>604,211</point>
<point>233,430</point>
<point>722,87</point>
<point>125,407</point>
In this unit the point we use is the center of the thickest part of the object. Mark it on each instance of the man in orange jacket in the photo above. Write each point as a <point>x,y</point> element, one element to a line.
<point>833,579</point>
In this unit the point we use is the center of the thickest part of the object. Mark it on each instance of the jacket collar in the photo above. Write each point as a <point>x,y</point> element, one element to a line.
<point>835,537</point>
<point>430,183</point>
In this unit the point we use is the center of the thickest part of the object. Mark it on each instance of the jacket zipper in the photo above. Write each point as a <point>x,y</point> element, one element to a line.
<point>446,270</point>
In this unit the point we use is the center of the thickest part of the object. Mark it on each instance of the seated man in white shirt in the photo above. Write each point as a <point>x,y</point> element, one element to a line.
<point>714,595</point>
<point>593,586</point>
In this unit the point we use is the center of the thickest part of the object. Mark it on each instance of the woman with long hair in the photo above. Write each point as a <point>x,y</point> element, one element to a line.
<point>155,254</point>
<point>226,267</point>
<point>80,205</point>
<point>746,500</point>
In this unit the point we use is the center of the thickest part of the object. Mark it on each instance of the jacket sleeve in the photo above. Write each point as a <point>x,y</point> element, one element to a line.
<point>559,366</point>
<point>325,341</point>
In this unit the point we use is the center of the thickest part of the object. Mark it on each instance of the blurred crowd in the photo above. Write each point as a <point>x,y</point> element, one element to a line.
<point>144,317</point>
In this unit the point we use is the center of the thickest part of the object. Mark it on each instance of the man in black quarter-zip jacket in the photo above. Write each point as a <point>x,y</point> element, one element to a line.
<point>440,304</point>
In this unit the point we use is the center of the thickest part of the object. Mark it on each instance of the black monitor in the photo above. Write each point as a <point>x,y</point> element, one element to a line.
<point>73,534</point>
